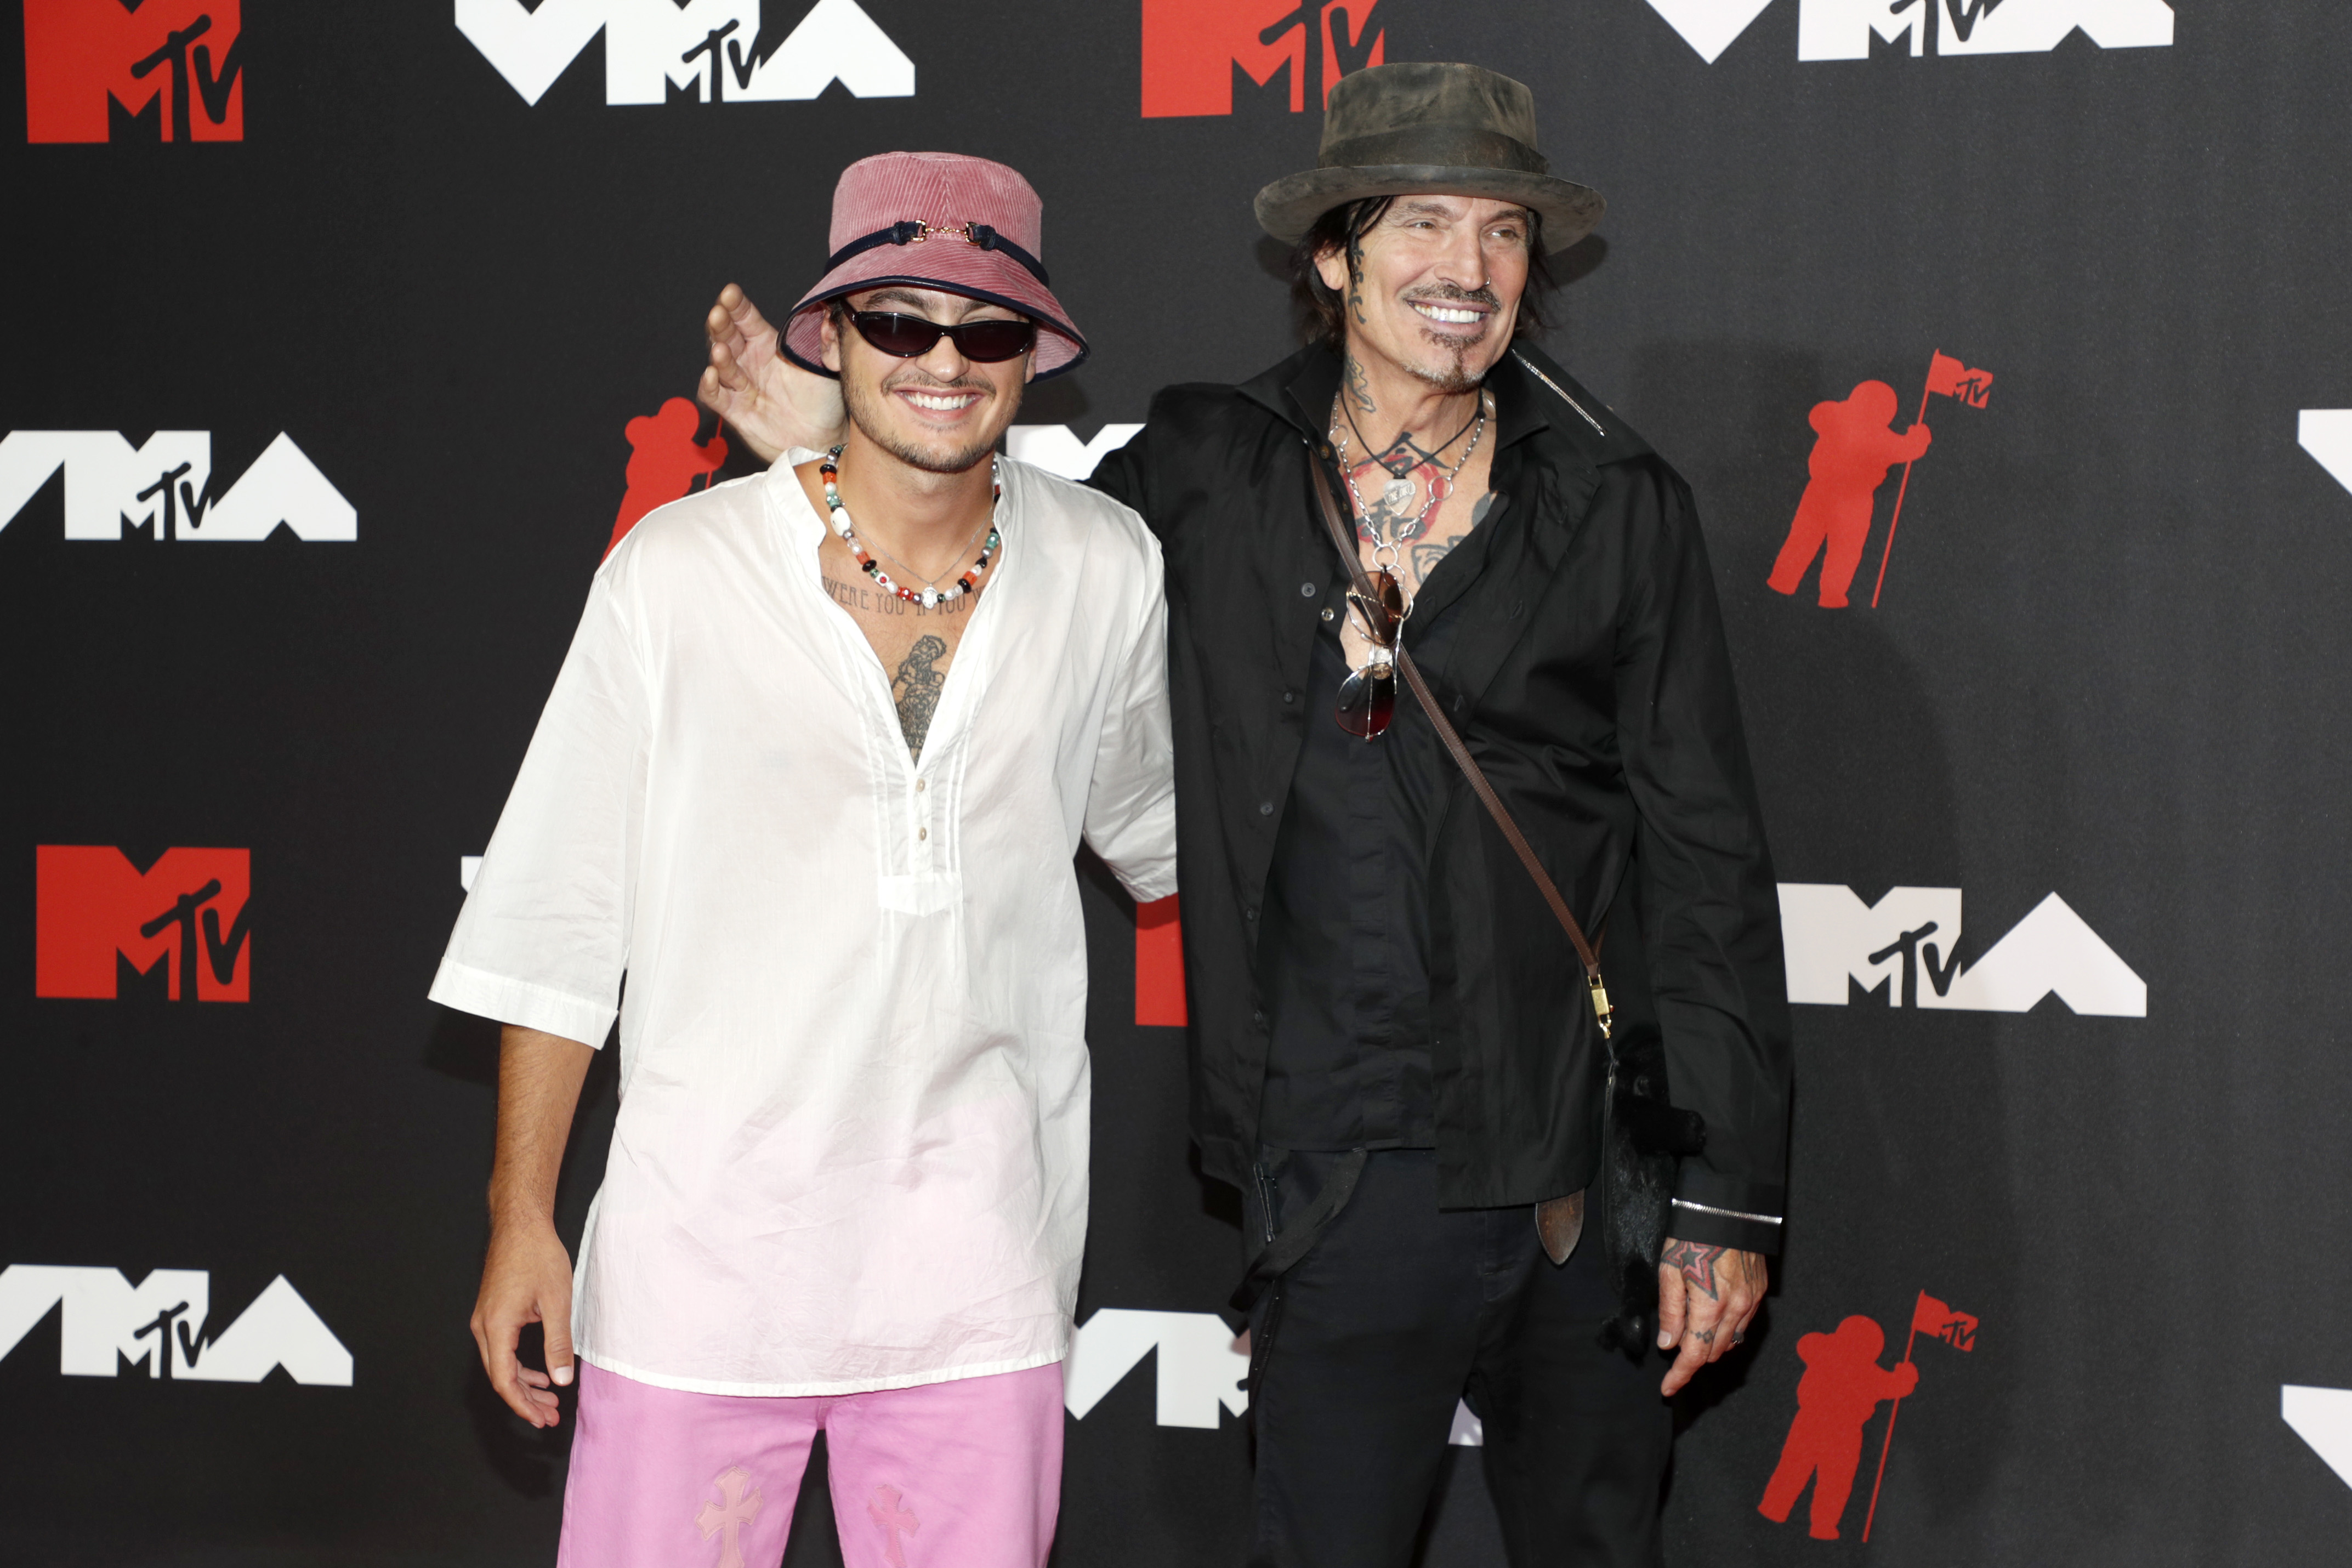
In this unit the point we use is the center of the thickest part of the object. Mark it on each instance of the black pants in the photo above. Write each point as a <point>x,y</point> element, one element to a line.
<point>1400,1309</point>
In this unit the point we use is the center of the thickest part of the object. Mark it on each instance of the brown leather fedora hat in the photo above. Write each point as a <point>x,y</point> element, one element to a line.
<point>1444,130</point>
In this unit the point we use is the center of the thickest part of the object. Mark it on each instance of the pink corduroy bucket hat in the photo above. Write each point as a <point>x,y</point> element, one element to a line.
<point>937,220</point>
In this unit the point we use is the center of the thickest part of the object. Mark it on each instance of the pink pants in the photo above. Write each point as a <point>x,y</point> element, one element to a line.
<point>965,1474</point>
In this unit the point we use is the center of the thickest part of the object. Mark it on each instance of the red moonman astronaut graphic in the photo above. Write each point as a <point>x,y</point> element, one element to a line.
<point>1858,445</point>
<point>665,461</point>
<point>1840,1392</point>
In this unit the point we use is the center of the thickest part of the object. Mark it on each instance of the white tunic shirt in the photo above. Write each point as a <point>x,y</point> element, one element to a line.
<point>853,1137</point>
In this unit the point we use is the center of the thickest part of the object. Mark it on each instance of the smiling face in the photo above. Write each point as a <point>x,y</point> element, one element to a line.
<point>939,412</point>
<point>1434,287</point>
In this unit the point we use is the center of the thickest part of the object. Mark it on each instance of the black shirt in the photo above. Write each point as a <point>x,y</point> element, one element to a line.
<point>1594,686</point>
<point>1347,1065</point>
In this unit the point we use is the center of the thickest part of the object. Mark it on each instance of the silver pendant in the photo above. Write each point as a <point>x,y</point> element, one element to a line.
<point>1397,494</point>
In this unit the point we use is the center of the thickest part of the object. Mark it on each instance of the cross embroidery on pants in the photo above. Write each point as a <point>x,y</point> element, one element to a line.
<point>885,1511</point>
<point>732,1518</point>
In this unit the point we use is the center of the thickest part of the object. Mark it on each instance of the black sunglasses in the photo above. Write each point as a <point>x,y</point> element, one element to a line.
<point>911,337</point>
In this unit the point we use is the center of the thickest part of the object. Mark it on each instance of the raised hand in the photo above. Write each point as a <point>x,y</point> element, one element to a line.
<point>1706,1297</point>
<point>771,403</point>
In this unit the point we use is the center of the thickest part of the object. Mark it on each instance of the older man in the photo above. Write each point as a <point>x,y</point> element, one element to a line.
<point>1393,1057</point>
<point>813,775</point>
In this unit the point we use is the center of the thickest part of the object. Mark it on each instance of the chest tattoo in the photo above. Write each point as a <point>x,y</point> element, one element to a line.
<point>1428,552</point>
<point>916,689</point>
<point>1401,489</point>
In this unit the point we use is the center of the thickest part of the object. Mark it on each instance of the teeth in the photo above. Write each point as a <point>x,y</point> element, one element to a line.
<point>1441,313</point>
<point>931,400</point>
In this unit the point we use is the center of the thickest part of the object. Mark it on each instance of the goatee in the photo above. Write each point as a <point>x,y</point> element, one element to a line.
<point>868,415</point>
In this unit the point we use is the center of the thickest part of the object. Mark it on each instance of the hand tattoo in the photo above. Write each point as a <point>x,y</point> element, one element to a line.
<point>918,690</point>
<point>1696,1263</point>
<point>1359,388</point>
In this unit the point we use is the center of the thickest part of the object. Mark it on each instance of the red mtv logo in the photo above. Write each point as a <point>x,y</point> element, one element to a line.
<point>158,59</point>
<point>94,905</point>
<point>1191,48</point>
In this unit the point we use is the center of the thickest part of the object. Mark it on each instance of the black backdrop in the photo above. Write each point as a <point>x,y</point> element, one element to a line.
<point>2106,663</point>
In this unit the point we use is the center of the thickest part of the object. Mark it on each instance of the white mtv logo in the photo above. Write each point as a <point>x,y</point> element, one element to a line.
<point>2323,1418</point>
<point>163,484</point>
<point>710,47</point>
<point>2327,435</point>
<point>1057,449</point>
<point>1201,1366</point>
<point>1909,943</point>
<point>1842,29</point>
<point>161,1322</point>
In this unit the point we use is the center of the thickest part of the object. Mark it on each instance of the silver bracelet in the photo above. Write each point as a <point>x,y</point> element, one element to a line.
<point>1727,1213</point>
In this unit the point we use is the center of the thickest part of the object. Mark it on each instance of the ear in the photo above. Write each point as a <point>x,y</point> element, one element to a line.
<point>830,356</point>
<point>1332,265</point>
<point>1029,366</point>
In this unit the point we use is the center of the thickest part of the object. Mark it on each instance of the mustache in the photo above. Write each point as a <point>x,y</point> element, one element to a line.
<point>1483,295</point>
<point>923,380</point>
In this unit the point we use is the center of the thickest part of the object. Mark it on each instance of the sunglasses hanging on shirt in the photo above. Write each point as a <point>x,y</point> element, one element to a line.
<point>1368,697</point>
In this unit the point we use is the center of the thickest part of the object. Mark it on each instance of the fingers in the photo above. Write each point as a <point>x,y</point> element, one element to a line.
<point>1686,1364</point>
<point>558,1339</point>
<point>730,372</point>
<point>1746,1298</point>
<point>724,389</point>
<point>1702,1328</point>
<point>526,1278</point>
<point>748,319</point>
<point>1672,1297</point>
<point>523,1388</point>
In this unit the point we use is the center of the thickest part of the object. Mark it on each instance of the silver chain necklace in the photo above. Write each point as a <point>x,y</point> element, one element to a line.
<point>1399,491</point>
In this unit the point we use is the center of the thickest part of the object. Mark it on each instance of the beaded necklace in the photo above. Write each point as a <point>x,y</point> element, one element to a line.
<point>930,597</point>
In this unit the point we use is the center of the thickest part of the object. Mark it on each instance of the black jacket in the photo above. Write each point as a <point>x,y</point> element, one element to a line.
<point>1596,692</point>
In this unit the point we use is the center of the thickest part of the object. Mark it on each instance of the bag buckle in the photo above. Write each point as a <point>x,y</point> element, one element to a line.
<point>1601,1009</point>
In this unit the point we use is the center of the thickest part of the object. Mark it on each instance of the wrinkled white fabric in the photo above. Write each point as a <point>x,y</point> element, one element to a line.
<point>853,1135</point>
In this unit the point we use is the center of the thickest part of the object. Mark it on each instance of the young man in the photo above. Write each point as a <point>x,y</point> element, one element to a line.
<point>1393,1055</point>
<point>812,776</point>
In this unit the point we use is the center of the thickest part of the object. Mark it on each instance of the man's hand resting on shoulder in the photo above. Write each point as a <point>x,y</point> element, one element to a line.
<point>772,403</point>
<point>1707,1296</point>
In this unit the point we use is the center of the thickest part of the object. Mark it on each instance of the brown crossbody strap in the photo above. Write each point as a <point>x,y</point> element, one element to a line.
<point>1343,540</point>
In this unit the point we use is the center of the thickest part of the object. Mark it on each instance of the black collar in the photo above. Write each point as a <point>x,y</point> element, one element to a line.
<point>1301,389</point>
